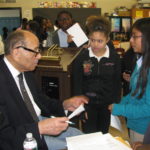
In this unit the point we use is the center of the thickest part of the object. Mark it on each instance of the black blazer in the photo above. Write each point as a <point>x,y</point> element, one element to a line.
<point>18,120</point>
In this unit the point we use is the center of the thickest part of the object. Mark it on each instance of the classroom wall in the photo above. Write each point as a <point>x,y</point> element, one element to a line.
<point>105,5</point>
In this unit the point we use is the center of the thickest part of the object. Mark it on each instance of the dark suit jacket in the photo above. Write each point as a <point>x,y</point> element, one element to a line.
<point>18,121</point>
<point>3,144</point>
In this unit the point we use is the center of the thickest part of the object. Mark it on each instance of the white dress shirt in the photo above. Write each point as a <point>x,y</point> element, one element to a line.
<point>62,38</point>
<point>106,54</point>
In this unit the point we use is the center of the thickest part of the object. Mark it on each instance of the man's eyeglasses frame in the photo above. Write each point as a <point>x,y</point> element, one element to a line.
<point>30,50</point>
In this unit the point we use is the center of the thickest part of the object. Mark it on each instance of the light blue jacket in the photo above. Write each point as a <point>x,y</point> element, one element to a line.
<point>137,111</point>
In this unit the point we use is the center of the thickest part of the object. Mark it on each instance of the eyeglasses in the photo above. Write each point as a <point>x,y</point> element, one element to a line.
<point>136,36</point>
<point>30,50</point>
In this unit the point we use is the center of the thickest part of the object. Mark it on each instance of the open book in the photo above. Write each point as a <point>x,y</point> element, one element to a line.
<point>95,141</point>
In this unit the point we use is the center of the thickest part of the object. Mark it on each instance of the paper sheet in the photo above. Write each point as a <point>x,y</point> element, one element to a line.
<point>95,141</point>
<point>115,122</point>
<point>79,37</point>
<point>77,111</point>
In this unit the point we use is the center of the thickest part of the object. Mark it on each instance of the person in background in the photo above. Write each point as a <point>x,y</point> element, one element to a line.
<point>60,36</point>
<point>34,27</point>
<point>24,23</point>
<point>42,29</point>
<point>21,57</point>
<point>128,64</point>
<point>5,33</point>
<point>136,105</point>
<point>50,30</point>
<point>1,46</point>
<point>97,75</point>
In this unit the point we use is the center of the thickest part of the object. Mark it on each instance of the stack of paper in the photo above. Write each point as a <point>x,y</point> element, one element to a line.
<point>95,141</point>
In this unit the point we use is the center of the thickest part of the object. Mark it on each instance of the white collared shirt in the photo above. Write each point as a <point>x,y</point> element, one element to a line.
<point>15,74</point>
<point>106,54</point>
<point>62,38</point>
<point>139,62</point>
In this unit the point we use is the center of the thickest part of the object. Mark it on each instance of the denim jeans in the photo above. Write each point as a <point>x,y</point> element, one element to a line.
<point>59,142</point>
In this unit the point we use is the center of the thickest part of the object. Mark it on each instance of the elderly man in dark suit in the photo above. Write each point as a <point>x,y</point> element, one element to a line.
<point>21,56</point>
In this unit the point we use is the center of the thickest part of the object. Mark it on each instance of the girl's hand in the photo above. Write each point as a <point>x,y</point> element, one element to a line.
<point>136,145</point>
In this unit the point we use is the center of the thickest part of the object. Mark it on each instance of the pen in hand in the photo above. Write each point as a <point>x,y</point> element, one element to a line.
<point>69,122</point>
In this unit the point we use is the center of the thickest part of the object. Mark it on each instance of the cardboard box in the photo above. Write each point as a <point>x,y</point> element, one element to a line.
<point>124,13</point>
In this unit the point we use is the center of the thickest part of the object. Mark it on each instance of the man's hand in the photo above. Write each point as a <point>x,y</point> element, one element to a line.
<point>74,102</point>
<point>69,38</point>
<point>53,126</point>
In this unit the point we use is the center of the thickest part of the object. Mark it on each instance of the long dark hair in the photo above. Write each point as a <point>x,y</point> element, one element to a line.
<point>143,25</point>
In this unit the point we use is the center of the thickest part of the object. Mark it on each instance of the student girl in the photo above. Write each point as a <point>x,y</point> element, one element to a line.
<point>136,105</point>
<point>96,74</point>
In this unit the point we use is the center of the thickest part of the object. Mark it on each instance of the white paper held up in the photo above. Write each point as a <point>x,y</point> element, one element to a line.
<point>79,37</point>
<point>115,122</point>
<point>77,111</point>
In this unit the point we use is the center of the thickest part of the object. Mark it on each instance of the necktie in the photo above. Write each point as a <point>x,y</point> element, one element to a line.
<point>27,98</point>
